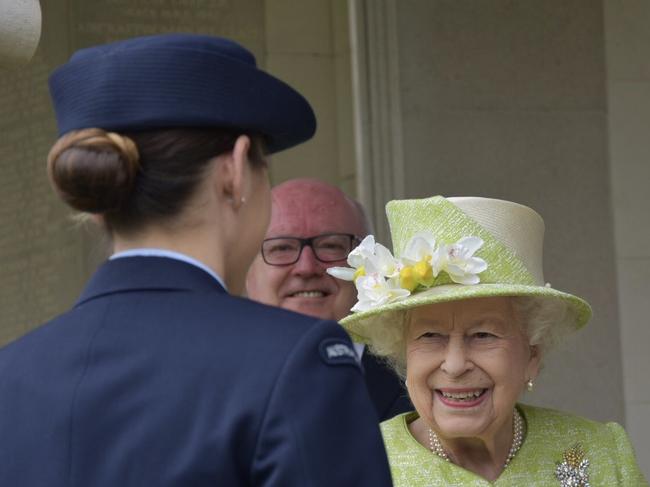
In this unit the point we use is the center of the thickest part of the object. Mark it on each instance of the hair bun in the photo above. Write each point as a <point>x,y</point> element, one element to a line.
<point>93,170</point>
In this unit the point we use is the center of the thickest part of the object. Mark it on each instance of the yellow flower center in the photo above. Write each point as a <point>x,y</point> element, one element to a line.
<point>423,272</point>
<point>360,272</point>
<point>407,278</point>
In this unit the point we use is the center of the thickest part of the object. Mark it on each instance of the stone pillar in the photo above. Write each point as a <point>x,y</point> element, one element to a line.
<point>628,70</point>
<point>377,107</point>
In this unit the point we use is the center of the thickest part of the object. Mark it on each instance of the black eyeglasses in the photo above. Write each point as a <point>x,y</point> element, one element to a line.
<point>330,247</point>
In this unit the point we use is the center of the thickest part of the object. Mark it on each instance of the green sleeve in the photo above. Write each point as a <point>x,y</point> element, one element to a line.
<point>628,470</point>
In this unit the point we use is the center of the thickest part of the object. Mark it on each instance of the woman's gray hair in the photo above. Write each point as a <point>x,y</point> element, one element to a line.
<point>387,339</point>
<point>545,321</point>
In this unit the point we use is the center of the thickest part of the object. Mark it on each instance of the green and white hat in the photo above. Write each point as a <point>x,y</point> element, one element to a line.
<point>448,249</point>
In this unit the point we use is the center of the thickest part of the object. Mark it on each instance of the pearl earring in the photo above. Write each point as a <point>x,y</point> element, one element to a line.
<point>530,385</point>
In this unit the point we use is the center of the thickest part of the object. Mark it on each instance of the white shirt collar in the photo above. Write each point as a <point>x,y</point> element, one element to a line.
<point>170,254</point>
<point>359,348</point>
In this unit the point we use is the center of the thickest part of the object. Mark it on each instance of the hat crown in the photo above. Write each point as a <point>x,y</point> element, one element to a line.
<point>178,80</point>
<point>516,226</point>
<point>513,233</point>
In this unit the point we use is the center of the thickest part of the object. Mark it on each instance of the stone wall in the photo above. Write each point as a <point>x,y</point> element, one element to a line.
<point>628,70</point>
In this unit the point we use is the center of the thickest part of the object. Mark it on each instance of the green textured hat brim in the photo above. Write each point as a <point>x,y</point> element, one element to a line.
<point>358,324</point>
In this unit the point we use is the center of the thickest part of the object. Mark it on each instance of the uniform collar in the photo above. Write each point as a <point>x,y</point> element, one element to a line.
<point>139,273</point>
<point>154,252</point>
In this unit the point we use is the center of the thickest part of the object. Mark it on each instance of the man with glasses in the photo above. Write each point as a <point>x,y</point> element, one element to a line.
<point>314,226</point>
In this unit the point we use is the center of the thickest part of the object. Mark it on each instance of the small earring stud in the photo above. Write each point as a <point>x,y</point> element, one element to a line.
<point>530,385</point>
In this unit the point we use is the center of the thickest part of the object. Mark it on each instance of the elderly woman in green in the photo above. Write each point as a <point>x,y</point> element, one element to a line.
<point>463,313</point>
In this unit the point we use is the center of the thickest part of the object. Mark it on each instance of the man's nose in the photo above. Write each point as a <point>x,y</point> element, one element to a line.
<point>307,263</point>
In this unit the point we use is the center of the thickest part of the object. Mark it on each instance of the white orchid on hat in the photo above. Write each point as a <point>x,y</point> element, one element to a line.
<point>381,279</point>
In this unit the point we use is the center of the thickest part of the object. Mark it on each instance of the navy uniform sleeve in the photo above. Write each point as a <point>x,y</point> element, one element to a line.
<point>320,427</point>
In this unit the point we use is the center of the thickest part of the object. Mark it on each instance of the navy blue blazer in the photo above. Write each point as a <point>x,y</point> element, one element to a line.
<point>385,388</point>
<point>158,377</point>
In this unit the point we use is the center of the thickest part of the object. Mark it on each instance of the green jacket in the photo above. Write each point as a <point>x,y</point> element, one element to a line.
<point>549,434</point>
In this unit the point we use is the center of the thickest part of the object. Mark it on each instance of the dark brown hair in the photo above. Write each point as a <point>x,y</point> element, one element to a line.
<point>140,177</point>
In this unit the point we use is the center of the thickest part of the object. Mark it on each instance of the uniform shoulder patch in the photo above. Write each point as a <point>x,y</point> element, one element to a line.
<point>336,351</point>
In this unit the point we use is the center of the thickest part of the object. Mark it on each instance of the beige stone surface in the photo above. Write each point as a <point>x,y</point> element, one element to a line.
<point>301,27</point>
<point>634,291</point>
<point>315,78</point>
<point>41,259</point>
<point>628,38</point>
<point>629,119</point>
<point>103,21</point>
<point>501,54</point>
<point>628,73</point>
<point>308,46</point>
<point>637,415</point>
<point>344,105</point>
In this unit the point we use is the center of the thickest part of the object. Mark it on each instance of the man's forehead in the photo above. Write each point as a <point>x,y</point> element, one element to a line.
<point>311,209</point>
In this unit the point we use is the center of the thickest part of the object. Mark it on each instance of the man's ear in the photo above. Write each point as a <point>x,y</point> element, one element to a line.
<point>233,170</point>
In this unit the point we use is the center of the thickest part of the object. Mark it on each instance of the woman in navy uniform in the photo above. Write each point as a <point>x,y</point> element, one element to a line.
<point>159,375</point>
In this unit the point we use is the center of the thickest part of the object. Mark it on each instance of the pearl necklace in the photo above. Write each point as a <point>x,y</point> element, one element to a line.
<point>517,439</point>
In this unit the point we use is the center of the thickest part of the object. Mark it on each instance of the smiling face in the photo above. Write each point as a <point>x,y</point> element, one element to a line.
<point>307,208</point>
<point>467,363</point>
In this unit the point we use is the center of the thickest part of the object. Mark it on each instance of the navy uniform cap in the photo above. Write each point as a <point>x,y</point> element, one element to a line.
<point>177,80</point>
